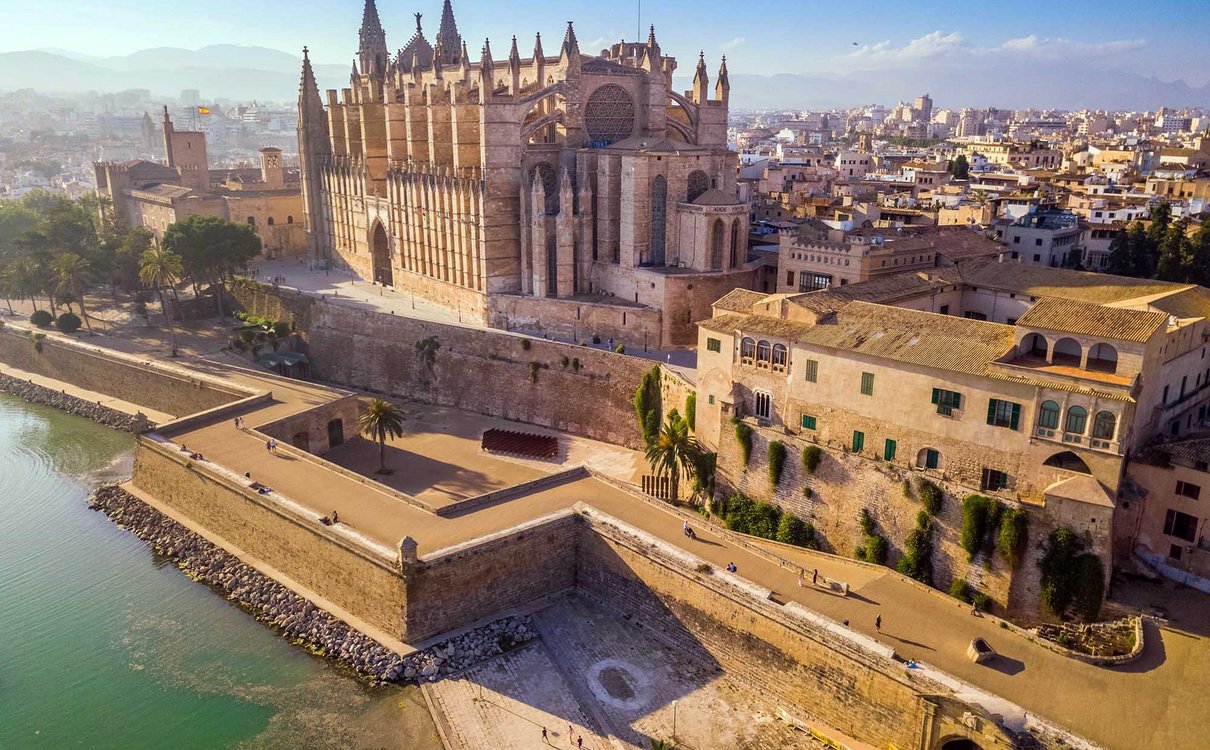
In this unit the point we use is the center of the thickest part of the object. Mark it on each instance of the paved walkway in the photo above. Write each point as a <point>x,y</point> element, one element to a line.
<point>1164,692</point>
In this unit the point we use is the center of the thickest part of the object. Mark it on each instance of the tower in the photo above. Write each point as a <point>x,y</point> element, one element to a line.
<point>372,53</point>
<point>448,39</point>
<point>314,147</point>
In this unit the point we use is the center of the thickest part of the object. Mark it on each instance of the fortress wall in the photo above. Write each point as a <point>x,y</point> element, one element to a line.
<point>354,578</point>
<point>486,371</point>
<point>817,673</point>
<point>452,589</point>
<point>114,374</point>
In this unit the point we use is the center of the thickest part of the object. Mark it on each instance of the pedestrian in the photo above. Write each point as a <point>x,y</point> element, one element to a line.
<point>845,623</point>
<point>269,445</point>
<point>731,567</point>
<point>247,475</point>
<point>336,519</point>
<point>814,576</point>
<point>545,741</point>
<point>686,528</point>
<point>878,623</point>
<point>570,733</point>
<point>580,740</point>
<point>800,578</point>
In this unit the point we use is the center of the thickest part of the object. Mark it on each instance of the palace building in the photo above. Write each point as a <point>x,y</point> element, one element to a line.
<point>575,194</point>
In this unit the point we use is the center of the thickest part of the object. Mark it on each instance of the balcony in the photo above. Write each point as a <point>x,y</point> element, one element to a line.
<point>1055,435</point>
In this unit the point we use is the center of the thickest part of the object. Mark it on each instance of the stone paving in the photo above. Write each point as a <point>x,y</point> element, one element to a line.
<point>617,685</point>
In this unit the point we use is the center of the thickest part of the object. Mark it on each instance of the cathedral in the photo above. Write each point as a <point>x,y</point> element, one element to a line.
<point>572,194</point>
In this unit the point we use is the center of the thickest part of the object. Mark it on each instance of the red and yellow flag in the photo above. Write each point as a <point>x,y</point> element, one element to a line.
<point>203,110</point>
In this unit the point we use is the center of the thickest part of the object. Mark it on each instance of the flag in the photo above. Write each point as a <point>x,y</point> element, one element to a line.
<point>203,110</point>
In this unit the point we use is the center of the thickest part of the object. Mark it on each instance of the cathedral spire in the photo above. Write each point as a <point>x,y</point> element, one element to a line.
<point>571,46</point>
<point>722,87</point>
<point>514,69</point>
<point>447,32</point>
<point>651,37</point>
<point>701,80</point>
<point>372,52</point>
<point>309,102</point>
<point>538,54</point>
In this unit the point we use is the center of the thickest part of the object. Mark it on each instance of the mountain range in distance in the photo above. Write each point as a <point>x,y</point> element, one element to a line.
<point>240,73</point>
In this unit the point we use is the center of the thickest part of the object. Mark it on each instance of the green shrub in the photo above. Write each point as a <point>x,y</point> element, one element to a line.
<point>704,464</point>
<point>807,492</point>
<point>960,591</point>
<point>907,489</point>
<point>68,322</point>
<point>866,521</point>
<point>37,339</point>
<point>1088,586</point>
<point>619,349</point>
<point>1058,566</point>
<point>1014,535</point>
<point>647,404</point>
<point>691,410</point>
<point>876,549</point>
<point>743,434</point>
<point>917,560</point>
<point>810,458</point>
<point>793,530</point>
<point>764,520</point>
<point>777,460</point>
<point>930,495</point>
<point>976,512</point>
<point>533,371</point>
<point>526,344</point>
<point>981,601</point>
<point>281,328</point>
<point>41,318</point>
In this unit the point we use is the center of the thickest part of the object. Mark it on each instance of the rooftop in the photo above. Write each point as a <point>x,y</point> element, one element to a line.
<point>1093,320</point>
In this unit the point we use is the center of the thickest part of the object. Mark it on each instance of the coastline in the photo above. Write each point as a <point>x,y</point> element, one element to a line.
<point>36,394</point>
<point>294,617</point>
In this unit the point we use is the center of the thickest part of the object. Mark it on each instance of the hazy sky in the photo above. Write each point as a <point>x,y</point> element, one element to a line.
<point>1158,37</point>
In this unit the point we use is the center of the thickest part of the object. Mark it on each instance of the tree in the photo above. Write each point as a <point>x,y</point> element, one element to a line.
<point>212,249</point>
<point>1199,253</point>
<point>72,273</point>
<point>160,267</point>
<point>379,420</point>
<point>960,168</point>
<point>674,451</point>
<point>1175,253</point>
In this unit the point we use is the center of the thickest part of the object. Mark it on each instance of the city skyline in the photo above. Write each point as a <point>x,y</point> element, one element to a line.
<point>857,38</point>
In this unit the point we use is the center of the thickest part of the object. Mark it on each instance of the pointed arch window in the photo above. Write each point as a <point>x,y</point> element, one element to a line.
<point>698,184</point>
<point>734,244</point>
<point>716,246</point>
<point>659,219</point>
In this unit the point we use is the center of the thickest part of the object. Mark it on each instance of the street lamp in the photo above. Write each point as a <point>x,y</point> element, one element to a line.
<point>674,720</point>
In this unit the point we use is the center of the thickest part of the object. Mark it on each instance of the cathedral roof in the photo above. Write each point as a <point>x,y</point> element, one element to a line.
<point>714,197</point>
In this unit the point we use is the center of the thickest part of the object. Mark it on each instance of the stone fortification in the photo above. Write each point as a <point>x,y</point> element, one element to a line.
<point>121,376</point>
<point>36,394</point>
<point>571,388</point>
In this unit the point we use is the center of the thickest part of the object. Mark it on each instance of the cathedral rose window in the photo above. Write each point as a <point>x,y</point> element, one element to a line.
<point>609,115</point>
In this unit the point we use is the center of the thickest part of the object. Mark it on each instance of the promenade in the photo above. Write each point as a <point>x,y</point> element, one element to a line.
<point>1147,704</point>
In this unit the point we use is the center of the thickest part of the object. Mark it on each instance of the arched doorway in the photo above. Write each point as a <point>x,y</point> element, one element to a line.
<point>381,249</point>
<point>960,744</point>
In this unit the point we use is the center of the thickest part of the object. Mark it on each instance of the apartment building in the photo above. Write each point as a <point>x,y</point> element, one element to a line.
<point>1044,237</point>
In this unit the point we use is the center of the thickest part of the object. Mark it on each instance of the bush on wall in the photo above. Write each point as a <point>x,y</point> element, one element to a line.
<point>777,460</point>
<point>743,434</point>
<point>930,495</point>
<point>810,458</point>
<point>1014,535</point>
<point>976,513</point>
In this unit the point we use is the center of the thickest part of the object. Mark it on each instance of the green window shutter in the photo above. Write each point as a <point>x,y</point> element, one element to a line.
<point>888,452</point>
<point>1016,417</point>
<point>957,400</point>
<point>858,441</point>
<point>983,482</point>
<point>991,411</point>
<point>808,422</point>
<point>867,383</point>
<point>936,395</point>
<point>812,370</point>
<point>931,459</point>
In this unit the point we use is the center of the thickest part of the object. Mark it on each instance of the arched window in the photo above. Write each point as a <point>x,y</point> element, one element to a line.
<point>270,221</point>
<point>780,356</point>
<point>659,219</point>
<point>716,246</point>
<point>928,458</point>
<point>763,351</point>
<point>1104,425</point>
<point>747,349</point>
<point>552,265</point>
<point>550,184</point>
<point>252,220</point>
<point>1034,344</point>
<point>290,219</point>
<point>698,184</point>
<point>1048,415</point>
<point>1103,358</point>
<point>1077,420</point>
<point>764,405</point>
<point>734,244</point>
<point>1067,352</point>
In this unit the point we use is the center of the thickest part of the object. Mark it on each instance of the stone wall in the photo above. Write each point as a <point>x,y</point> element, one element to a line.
<point>113,374</point>
<point>793,659</point>
<point>844,483</point>
<point>453,588</point>
<point>36,394</point>
<point>576,389</point>
<point>578,320</point>
<point>308,430</point>
<point>311,554</point>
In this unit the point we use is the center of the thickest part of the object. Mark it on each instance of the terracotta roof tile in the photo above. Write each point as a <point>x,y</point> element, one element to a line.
<point>1093,320</point>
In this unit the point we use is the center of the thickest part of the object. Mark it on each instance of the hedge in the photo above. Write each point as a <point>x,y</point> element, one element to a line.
<point>777,459</point>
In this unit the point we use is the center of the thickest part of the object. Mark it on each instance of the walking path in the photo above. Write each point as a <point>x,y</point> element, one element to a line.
<point>1151,703</point>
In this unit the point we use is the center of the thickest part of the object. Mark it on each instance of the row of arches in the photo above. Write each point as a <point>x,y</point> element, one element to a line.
<point>269,221</point>
<point>1104,425</point>
<point>1101,357</point>
<point>931,458</point>
<point>763,354</point>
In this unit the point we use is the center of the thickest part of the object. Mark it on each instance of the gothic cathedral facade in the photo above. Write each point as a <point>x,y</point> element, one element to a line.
<point>571,194</point>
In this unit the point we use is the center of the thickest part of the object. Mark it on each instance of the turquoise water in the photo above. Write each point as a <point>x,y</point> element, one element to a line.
<point>104,644</point>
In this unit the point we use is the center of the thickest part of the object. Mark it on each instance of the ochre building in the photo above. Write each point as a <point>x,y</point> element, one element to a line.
<point>575,194</point>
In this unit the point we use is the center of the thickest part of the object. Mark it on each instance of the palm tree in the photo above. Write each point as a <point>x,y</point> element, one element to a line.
<point>673,451</point>
<point>72,272</point>
<point>378,420</point>
<point>157,268</point>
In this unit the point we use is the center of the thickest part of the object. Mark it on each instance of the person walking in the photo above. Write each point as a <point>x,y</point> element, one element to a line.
<point>269,445</point>
<point>814,576</point>
<point>800,578</point>
<point>545,740</point>
<point>580,740</point>
<point>878,623</point>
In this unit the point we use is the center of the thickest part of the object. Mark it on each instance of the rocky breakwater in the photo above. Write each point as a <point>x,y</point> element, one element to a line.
<point>296,618</point>
<point>37,394</point>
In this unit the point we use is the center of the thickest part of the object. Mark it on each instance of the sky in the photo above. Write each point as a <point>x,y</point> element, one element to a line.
<point>1158,38</point>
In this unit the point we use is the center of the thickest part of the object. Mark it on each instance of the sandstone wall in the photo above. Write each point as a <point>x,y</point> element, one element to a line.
<point>309,553</point>
<point>450,590</point>
<point>114,375</point>
<point>568,318</point>
<point>844,483</point>
<point>308,430</point>
<point>796,662</point>
<point>571,388</point>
